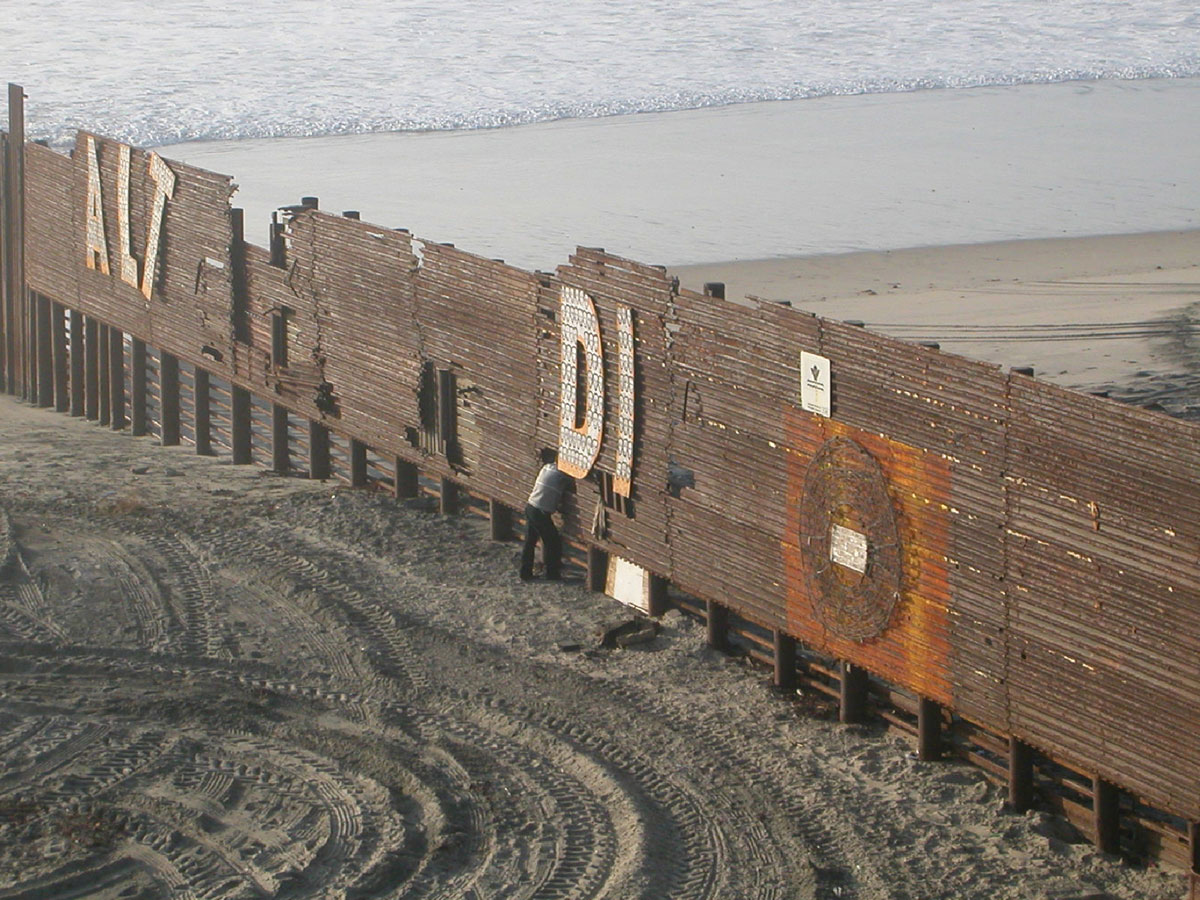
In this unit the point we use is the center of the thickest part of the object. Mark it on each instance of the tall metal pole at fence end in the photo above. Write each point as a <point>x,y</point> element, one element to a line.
<point>14,307</point>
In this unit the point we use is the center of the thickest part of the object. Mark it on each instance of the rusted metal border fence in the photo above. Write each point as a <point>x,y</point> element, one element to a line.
<point>1022,604</point>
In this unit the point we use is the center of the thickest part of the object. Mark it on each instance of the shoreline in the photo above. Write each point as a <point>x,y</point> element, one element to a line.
<point>753,180</point>
<point>985,207</point>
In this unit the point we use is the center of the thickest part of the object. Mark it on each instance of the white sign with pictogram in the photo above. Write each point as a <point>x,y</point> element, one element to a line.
<point>814,383</point>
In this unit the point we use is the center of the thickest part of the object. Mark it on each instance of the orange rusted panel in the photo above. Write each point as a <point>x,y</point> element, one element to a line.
<point>892,616</point>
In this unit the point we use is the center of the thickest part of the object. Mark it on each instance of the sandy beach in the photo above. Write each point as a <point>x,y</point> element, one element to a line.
<point>1117,313</point>
<point>221,683</point>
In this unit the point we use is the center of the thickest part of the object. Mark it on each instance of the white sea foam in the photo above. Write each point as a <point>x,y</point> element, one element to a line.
<point>184,69</point>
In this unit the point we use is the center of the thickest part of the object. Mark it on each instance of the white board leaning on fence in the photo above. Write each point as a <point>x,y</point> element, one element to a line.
<point>628,583</point>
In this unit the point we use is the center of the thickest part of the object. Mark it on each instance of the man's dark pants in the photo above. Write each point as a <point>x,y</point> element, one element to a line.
<point>539,525</point>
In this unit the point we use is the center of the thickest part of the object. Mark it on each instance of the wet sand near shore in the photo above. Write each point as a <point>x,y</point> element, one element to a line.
<point>760,180</point>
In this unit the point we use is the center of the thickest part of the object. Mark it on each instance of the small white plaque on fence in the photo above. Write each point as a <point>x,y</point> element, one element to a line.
<point>848,548</point>
<point>814,383</point>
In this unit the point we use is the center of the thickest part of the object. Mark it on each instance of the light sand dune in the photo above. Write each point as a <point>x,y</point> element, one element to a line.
<point>1118,311</point>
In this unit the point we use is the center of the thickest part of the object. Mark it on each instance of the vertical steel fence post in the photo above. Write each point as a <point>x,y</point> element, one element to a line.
<point>318,451</point>
<point>91,341</point>
<point>29,302</point>
<point>358,463</point>
<point>448,497</point>
<point>1106,815</point>
<point>929,729</point>
<point>597,569</point>
<point>137,387</point>
<point>45,350</point>
<point>1020,775</point>
<point>854,688</point>
<point>168,390</point>
<point>14,260</point>
<point>281,457</point>
<point>240,424</point>
<point>58,342</point>
<point>717,625</point>
<point>116,378</point>
<point>785,661</point>
<point>500,518</point>
<point>105,367</point>
<point>407,479</point>
<point>202,409</point>
<point>78,356</point>
<point>658,601</point>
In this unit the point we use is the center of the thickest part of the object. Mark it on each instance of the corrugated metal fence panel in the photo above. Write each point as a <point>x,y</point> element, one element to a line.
<point>477,318</point>
<point>191,300</point>
<point>270,290</point>
<point>736,371</point>
<point>53,257</point>
<point>612,282</point>
<point>1104,568</point>
<point>944,418</point>
<point>353,314</point>
<point>103,293</point>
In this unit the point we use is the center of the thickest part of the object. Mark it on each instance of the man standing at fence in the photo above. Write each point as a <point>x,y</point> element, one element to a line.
<point>543,502</point>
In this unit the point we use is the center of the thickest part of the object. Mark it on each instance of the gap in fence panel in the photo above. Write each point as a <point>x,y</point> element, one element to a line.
<point>472,504</point>
<point>261,417</point>
<point>821,673</point>
<point>153,392</point>
<point>428,487</point>
<point>220,401</point>
<point>895,707</point>
<point>1150,834</point>
<point>1065,792</point>
<point>298,445</point>
<point>979,746</point>
<point>575,553</point>
<point>339,457</point>
<point>380,472</point>
<point>187,403</point>
<point>750,640</point>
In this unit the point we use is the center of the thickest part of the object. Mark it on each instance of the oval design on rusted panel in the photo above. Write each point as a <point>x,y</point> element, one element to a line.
<point>849,542</point>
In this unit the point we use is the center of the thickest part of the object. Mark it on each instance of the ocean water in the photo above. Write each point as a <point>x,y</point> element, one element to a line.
<point>176,70</point>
